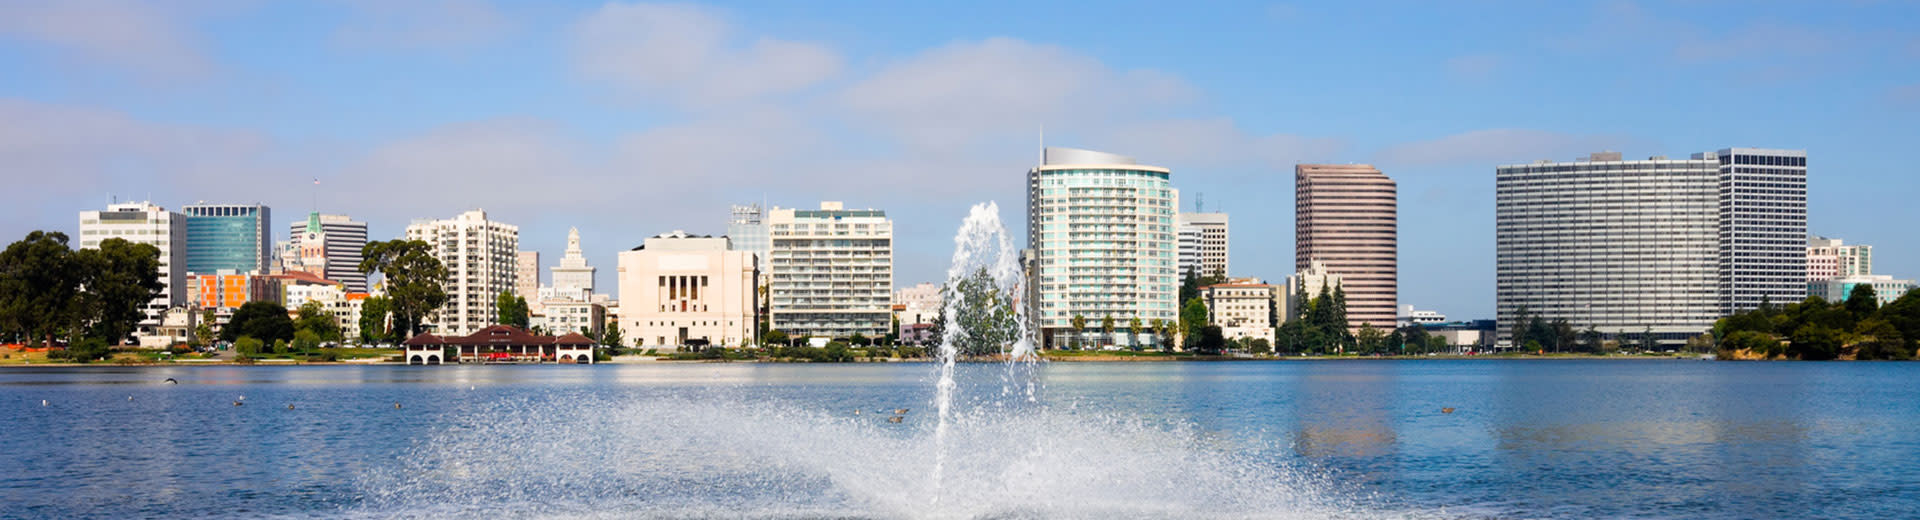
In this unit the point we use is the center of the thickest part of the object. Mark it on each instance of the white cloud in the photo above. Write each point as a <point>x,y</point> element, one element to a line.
<point>1498,146</point>
<point>422,24</point>
<point>149,39</point>
<point>950,97</point>
<point>691,54</point>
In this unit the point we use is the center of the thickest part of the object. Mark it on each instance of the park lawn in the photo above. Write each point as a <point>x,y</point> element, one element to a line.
<point>341,354</point>
<point>14,357</point>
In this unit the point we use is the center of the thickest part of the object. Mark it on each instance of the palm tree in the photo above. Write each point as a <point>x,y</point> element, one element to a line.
<point>1079,324</point>
<point>1133,331</point>
<point>1106,329</point>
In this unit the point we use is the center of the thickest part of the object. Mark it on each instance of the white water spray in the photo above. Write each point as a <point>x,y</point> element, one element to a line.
<point>983,310</point>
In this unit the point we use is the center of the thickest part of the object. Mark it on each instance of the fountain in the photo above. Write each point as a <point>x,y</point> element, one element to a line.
<point>983,313</point>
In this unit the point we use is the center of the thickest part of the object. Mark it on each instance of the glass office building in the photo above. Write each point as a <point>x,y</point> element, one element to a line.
<point>228,237</point>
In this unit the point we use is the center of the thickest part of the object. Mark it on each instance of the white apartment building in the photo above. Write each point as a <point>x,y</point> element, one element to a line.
<point>330,246</point>
<point>1832,258</point>
<point>145,223</point>
<point>560,317</point>
<point>1241,310</point>
<point>678,289</point>
<point>1618,245</point>
<point>1302,287</point>
<point>1101,227</point>
<point>573,278</point>
<point>832,271</point>
<point>1203,244</point>
<point>526,277</point>
<point>918,304</point>
<point>480,256</point>
<point>1762,203</point>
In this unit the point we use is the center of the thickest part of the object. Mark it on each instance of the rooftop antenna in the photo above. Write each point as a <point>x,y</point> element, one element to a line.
<point>1199,202</point>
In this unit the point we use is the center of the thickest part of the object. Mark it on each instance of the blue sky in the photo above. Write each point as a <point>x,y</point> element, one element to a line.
<point>633,119</point>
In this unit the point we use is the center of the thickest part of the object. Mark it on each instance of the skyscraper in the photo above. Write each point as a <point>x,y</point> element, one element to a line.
<point>145,223</point>
<point>832,271</point>
<point>330,246</point>
<point>1763,226</point>
<point>480,257</point>
<point>1102,233</point>
<point>573,278</point>
<point>1346,217</point>
<point>229,237</point>
<point>1203,244</point>
<point>1620,246</point>
<point>526,276</point>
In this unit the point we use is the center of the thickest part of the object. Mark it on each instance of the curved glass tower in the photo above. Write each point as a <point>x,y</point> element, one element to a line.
<point>1101,229</point>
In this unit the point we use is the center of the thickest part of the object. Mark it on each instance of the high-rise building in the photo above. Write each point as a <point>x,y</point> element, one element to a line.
<point>229,237</point>
<point>573,278</point>
<point>145,223</point>
<point>832,271</point>
<point>1763,226</point>
<point>1102,234</point>
<point>1346,216</point>
<point>747,231</point>
<point>1831,258</point>
<point>1616,245</point>
<point>1203,244</point>
<point>480,257</point>
<point>678,289</point>
<point>526,275</point>
<point>330,246</point>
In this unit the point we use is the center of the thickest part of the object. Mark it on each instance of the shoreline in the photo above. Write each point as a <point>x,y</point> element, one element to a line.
<point>1050,359</point>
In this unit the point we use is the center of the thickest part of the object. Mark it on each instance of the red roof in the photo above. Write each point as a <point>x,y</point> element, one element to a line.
<point>501,335</point>
<point>302,277</point>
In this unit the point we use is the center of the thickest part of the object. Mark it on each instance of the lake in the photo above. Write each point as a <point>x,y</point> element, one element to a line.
<point>1297,439</point>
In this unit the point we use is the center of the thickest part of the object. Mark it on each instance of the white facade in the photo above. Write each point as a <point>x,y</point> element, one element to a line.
<point>1886,289</point>
<point>1832,258</point>
<point>559,317</point>
<point>1618,245</point>
<point>1762,204</point>
<point>573,278</point>
<point>330,246</point>
<point>1101,227</point>
<point>832,271</point>
<point>526,276</point>
<point>1410,316</point>
<point>1241,310</point>
<point>1203,244</point>
<point>480,256</point>
<point>1303,287</point>
<point>145,223</point>
<point>919,304</point>
<point>679,289</point>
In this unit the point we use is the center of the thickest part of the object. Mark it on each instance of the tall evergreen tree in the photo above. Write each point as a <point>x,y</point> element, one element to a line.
<point>414,281</point>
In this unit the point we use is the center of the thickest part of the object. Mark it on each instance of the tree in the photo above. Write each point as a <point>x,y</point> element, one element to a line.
<point>264,321</point>
<point>1904,314</point>
<point>1162,333</point>
<point>1649,342</point>
<point>1415,339</point>
<point>1862,301</point>
<point>1079,327</point>
<point>984,314</point>
<point>118,279</point>
<point>774,337</point>
<point>1106,328</point>
<point>38,283</point>
<point>413,281</point>
<point>373,320</point>
<point>1590,340</point>
<point>1814,342</point>
<point>612,335</point>
<point>315,318</point>
<point>1290,336</point>
<point>305,341</point>
<point>512,310</point>
<point>1760,343</point>
<point>1211,342</point>
<point>1193,317</point>
<point>1880,340</point>
<point>1260,346</point>
<point>1371,340</point>
<point>247,346</point>
<point>1563,335</point>
<point>203,331</point>
<point>1437,343</point>
<point>1133,332</point>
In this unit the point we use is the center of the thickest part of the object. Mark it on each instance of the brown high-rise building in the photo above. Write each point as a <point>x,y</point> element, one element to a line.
<point>1346,217</point>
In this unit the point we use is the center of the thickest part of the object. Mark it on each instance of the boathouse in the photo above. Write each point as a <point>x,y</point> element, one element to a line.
<point>499,344</point>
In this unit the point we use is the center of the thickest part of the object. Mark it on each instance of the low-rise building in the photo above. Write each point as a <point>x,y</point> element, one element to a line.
<point>1409,316</point>
<point>679,290</point>
<point>566,315</point>
<point>1241,310</point>
<point>498,344</point>
<point>1886,288</point>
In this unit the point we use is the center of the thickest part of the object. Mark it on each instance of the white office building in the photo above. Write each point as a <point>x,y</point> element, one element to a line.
<point>1101,227</point>
<point>1762,204</point>
<point>573,278</point>
<point>480,256</point>
<point>832,271</point>
<point>145,223</point>
<point>1203,244</point>
<point>1886,288</point>
<point>1832,258</point>
<point>526,277</point>
<point>331,247</point>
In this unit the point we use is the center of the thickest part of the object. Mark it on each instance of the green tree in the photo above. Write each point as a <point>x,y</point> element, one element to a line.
<point>1079,327</point>
<point>983,312</point>
<point>261,320</point>
<point>1518,329</point>
<point>1371,340</point>
<point>1437,343</point>
<point>612,336</point>
<point>512,310</point>
<point>1106,328</point>
<point>774,337</point>
<point>38,283</point>
<point>373,320</point>
<point>1133,332</point>
<point>1260,346</point>
<point>248,346</point>
<point>413,281</point>
<point>118,280</point>
<point>305,341</point>
<point>1862,301</point>
<point>1415,338</point>
<point>1591,340</point>
<point>1193,317</point>
<point>1880,340</point>
<point>1814,342</point>
<point>315,318</point>
<point>1760,343</point>
<point>1564,337</point>
<point>203,331</point>
<point>1211,342</point>
<point>1648,341</point>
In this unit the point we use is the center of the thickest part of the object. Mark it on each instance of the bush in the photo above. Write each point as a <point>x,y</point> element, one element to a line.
<point>89,349</point>
<point>279,346</point>
<point>247,346</point>
<point>1261,346</point>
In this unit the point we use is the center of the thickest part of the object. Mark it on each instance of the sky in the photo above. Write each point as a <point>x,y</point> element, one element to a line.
<point>628,120</point>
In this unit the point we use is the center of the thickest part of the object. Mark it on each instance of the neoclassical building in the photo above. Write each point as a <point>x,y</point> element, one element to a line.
<point>679,290</point>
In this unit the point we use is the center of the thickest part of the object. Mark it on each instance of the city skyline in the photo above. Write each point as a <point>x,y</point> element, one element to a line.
<point>430,123</point>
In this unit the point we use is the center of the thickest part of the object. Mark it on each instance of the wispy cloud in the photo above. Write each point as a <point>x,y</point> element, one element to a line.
<point>692,54</point>
<point>422,24</point>
<point>150,40</point>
